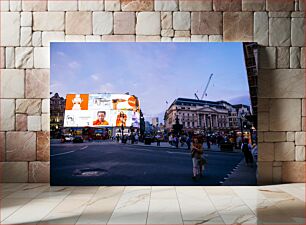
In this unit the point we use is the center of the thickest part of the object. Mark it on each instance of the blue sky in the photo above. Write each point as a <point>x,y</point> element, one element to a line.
<point>155,72</point>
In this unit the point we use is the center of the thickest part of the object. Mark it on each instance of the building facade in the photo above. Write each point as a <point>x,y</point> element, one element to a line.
<point>57,111</point>
<point>205,115</point>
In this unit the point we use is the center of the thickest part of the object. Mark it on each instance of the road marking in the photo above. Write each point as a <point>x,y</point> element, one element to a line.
<point>64,153</point>
<point>183,153</point>
<point>84,147</point>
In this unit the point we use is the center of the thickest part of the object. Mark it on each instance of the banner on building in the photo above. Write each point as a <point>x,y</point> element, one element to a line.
<point>102,110</point>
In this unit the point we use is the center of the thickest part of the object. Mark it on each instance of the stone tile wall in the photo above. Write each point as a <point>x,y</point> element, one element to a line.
<point>28,26</point>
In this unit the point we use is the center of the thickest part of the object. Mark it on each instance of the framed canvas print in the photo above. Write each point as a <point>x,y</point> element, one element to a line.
<point>153,114</point>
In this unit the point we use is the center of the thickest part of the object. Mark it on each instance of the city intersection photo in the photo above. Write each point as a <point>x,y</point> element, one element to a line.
<point>161,114</point>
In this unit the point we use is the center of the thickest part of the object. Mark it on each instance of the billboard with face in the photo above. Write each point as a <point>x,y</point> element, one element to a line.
<point>102,110</point>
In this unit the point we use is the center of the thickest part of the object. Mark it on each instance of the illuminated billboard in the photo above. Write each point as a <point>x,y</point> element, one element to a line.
<point>102,110</point>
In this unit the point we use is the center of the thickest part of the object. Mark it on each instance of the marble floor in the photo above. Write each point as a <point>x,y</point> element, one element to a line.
<point>42,204</point>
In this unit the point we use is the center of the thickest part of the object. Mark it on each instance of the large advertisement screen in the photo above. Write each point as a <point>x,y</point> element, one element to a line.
<point>102,110</point>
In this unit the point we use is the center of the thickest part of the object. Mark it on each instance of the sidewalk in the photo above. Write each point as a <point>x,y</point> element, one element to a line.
<point>242,175</point>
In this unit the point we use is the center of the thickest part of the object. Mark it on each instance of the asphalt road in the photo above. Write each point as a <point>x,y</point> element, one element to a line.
<point>112,164</point>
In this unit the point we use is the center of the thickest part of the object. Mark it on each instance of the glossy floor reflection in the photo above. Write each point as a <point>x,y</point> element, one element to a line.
<point>42,204</point>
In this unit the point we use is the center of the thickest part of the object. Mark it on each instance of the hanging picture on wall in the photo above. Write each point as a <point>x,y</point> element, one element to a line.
<point>153,114</point>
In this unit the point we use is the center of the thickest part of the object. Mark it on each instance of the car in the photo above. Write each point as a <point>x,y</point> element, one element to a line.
<point>66,138</point>
<point>78,139</point>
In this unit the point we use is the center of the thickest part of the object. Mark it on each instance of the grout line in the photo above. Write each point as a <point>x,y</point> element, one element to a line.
<point>149,206</point>
<point>116,205</point>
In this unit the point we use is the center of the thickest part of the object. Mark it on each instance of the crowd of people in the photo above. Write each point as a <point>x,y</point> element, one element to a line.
<point>195,143</point>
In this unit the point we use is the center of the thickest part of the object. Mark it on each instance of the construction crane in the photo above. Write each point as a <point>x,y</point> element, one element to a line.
<point>205,90</point>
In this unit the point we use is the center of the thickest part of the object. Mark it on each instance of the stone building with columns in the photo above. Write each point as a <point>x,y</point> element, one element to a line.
<point>204,115</point>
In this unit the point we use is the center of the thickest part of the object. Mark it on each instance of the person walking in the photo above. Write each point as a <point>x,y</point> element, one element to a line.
<point>188,142</point>
<point>246,149</point>
<point>196,155</point>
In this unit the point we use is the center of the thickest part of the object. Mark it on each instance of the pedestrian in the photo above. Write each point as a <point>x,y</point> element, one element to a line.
<point>136,138</point>
<point>196,155</point>
<point>171,140</point>
<point>188,142</point>
<point>208,142</point>
<point>255,152</point>
<point>246,149</point>
<point>158,140</point>
<point>176,141</point>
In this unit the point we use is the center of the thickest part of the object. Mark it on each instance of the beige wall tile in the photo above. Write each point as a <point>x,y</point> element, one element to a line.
<point>28,106</point>
<point>297,32</point>
<point>52,36</point>
<point>264,173</point>
<point>48,21</point>
<point>283,57</point>
<point>295,57</point>
<point>16,172</point>
<point>25,36</point>
<point>166,20</point>
<point>169,5</point>
<point>293,172</point>
<point>124,22</point>
<point>43,146</point>
<point>267,58</point>
<point>45,122</point>
<point>34,123</point>
<point>118,38</point>
<point>39,172</point>
<point>285,115</point>
<point>7,114</point>
<point>275,136</point>
<point>21,146</point>
<point>253,5</point>
<point>145,28</point>
<point>21,122</point>
<point>102,23</point>
<point>238,26</point>
<point>88,5</point>
<point>282,5</point>
<point>34,5</point>
<point>78,23</point>
<point>281,83</point>
<point>227,5</point>
<point>279,32</point>
<point>147,38</point>
<point>300,153</point>
<point>2,57</point>
<point>10,29</point>
<point>45,107</point>
<point>300,138</point>
<point>112,5</point>
<point>37,83</point>
<point>24,57</point>
<point>261,28</point>
<point>206,23</point>
<point>284,151</point>
<point>265,152</point>
<point>181,21</point>
<point>55,5</point>
<point>137,5</point>
<point>204,5</point>
<point>41,57</point>
<point>12,83</point>
<point>2,146</point>
<point>26,19</point>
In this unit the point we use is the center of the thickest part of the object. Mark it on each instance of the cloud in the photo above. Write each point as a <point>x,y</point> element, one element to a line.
<point>74,65</point>
<point>60,53</point>
<point>107,87</point>
<point>95,76</point>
